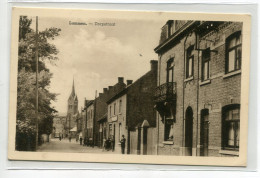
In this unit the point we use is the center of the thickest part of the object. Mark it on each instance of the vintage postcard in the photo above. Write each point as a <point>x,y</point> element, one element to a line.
<point>129,87</point>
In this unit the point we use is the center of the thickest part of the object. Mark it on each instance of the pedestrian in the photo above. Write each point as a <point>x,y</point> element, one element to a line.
<point>113,143</point>
<point>70,138</point>
<point>122,141</point>
<point>60,138</point>
<point>80,140</point>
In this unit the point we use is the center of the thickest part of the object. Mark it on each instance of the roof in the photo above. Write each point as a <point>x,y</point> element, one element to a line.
<point>119,94</point>
<point>89,103</point>
<point>174,36</point>
<point>124,91</point>
<point>102,118</point>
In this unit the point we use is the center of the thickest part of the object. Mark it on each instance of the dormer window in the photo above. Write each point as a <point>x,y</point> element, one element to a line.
<point>171,28</point>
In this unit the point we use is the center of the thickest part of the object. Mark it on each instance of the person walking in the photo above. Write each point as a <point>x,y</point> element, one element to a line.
<point>113,143</point>
<point>80,140</point>
<point>122,141</point>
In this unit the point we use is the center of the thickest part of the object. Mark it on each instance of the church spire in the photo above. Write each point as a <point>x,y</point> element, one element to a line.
<point>73,88</point>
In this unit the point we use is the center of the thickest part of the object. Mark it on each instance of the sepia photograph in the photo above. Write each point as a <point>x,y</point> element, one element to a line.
<point>129,87</point>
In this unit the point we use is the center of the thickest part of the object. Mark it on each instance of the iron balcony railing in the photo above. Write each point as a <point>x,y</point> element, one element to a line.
<point>165,92</point>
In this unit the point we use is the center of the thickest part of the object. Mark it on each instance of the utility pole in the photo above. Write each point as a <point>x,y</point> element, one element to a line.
<point>94,119</point>
<point>37,102</point>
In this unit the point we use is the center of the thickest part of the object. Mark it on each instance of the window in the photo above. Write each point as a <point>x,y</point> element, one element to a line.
<point>110,110</point>
<point>171,27</point>
<point>168,126</point>
<point>205,64</point>
<point>231,127</point>
<point>120,131</point>
<point>189,62</point>
<point>170,70</point>
<point>120,106</point>
<point>234,52</point>
<point>110,130</point>
<point>114,108</point>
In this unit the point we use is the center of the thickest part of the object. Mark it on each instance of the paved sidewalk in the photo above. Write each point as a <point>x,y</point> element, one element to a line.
<point>55,145</point>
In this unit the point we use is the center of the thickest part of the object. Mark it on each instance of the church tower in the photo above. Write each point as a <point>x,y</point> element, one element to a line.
<point>72,108</point>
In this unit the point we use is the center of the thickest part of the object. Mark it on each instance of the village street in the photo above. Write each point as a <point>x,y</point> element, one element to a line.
<point>55,145</point>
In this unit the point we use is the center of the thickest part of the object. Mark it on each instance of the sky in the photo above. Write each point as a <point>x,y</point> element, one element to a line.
<point>95,56</point>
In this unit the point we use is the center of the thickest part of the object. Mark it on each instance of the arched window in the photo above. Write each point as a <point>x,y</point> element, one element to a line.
<point>231,126</point>
<point>233,52</point>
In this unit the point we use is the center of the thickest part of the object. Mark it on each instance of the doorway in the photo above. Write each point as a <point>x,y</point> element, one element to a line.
<point>188,131</point>
<point>204,132</point>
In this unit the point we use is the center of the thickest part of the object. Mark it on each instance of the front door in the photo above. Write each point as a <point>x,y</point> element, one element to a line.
<point>204,132</point>
<point>188,131</point>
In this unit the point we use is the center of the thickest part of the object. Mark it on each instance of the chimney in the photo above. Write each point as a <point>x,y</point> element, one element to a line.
<point>104,90</point>
<point>110,87</point>
<point>129,82</point>
<point>120,79</point>
<point>100,94</point>
<point>154,64</point>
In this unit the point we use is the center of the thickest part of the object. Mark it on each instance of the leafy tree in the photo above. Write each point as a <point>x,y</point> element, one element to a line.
<point>26,85</point>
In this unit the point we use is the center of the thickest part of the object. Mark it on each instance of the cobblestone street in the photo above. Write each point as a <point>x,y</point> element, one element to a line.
<point>55,145</point>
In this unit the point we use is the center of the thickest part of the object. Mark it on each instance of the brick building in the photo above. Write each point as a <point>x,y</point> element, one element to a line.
<point>89,120</point>
<point>130,108</point>
<point>198,93</point>
<point>97,111</point>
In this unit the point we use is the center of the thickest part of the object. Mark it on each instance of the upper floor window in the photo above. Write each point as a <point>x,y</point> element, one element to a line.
<point>234,52</point>
<point>205,64</point>
<point>231,127</point>
<point>110,110</point>
<point>120,106</point>
<point>189,62</point>
<point>114,108</point>
<point>170,70</point>
<point>171,27</point>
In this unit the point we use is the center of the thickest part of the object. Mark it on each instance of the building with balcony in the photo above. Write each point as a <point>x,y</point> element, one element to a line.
<point>198,88</point>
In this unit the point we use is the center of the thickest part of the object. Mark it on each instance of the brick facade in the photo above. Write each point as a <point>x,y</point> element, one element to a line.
<point>137,106</point>
<point>193,95</point>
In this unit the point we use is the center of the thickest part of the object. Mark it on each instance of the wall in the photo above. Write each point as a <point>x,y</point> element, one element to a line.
<point>120,119</point>
<point>219,92</point>
<point>140,101</point>
<point>101,106</point>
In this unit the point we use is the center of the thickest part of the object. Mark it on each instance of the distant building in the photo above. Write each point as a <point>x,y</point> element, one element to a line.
<point>96,112</point>
<point>129,109</point>
<point>59,123</point>
<point>89,120</point>
<point>199,84</point>
<point>72,110</point>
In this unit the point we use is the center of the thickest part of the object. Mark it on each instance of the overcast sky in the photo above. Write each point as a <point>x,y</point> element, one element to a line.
<point>96,56</point>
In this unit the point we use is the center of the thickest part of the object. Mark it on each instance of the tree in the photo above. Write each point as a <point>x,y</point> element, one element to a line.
<point>26,85</point>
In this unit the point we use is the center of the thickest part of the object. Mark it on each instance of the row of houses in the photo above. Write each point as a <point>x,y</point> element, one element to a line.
<point>187,104</point>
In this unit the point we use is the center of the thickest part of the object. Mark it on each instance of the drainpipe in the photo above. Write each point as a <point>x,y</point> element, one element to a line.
<point>183,90</point>
<point>197,137</point>
<point>159,74</point>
